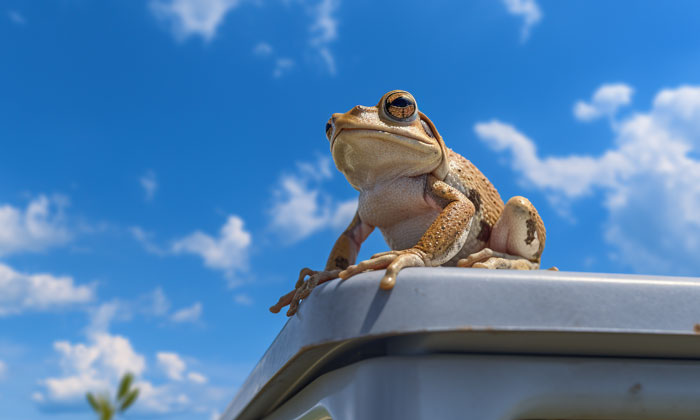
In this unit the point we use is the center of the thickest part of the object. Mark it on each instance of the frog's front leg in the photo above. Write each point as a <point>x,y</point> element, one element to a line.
<point>442,241</point>
<point>343,254</point>
<point>516,241</point>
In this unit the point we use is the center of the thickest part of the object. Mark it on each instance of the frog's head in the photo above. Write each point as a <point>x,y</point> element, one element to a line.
<point>387,141</point>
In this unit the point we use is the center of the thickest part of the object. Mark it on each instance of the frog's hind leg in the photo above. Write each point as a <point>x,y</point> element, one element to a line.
<point>516,242</point>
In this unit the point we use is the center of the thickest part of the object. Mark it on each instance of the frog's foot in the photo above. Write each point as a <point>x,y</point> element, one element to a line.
<point>488,258</point>
<point>393,261</point>
<point>497,263</point>
<point>303,289</point>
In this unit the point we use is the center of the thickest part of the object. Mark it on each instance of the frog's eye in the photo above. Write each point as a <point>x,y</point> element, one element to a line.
<point>427,129</point>
<point>400,106</point>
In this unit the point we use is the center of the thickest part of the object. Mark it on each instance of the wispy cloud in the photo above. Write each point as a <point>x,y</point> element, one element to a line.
<point>650,178</point>
<point>193,17</point>
<point>303,208</point>
<point>149,183</point>
<point>324,30</point>
<point>605,102</point>
<point>42,224</point>
<point>263,49</point>
<point>528,10</point>
<point>188,314</point>
<point>16,17</point>
<point>197,378</point>
<point>146,240</point>
<point>34,292</point>
<point>282,66</point>
<point>151,305</point>
<point>243,299</point>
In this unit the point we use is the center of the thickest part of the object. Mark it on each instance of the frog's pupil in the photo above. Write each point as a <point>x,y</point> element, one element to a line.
<point>401,102</point>
<point>328,127</point>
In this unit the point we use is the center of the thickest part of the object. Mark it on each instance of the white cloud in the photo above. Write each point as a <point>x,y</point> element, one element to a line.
<point>189,314</point>
<point>102,316</point>
<point>172,365</point>
<point>161,399</point>
<point>149,183</point>
<point>263,49</point>
<point>302,208</point>
<point>146,239</point>
<point>282,66</point>
<point>155,303</point>
<point>40,226</point>
<point>97,366</point>
<point>90,367</point>
<point>20,292</point>
<point>227,252</point>
<point>16,17</point>
<point>324,30</point>
<point>605,102</point>
<point>529,10</point>
<point>3,370</point>
<point>193,17</point>
<point>650,179</point>
<point>243,299</point>
<point>197,378</point>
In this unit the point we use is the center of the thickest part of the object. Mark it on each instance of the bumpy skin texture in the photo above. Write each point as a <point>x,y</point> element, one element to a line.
<point>433,206</point>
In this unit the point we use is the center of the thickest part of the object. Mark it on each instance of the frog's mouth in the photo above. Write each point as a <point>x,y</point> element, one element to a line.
<point>383,135</point>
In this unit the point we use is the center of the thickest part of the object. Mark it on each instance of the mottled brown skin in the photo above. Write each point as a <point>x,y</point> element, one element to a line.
<point>433,206</point>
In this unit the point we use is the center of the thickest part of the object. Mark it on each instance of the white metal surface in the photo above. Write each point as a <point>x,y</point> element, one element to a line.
<point>437,311</point>
<point>472,387</point>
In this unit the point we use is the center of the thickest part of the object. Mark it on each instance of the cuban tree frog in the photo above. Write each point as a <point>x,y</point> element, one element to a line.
<point>433,206</point>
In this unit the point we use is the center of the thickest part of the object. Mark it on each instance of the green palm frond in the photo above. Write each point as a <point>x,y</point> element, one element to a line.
<point>126,396</point>
<point>124,385</point>
<point>130,398</point>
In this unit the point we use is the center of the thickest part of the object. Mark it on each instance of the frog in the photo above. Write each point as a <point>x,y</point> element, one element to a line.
<point>432,205</point>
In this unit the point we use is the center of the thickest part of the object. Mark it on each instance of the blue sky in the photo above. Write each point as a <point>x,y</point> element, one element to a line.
<point>164,171</point>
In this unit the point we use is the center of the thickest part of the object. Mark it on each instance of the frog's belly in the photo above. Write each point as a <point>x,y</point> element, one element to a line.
<point>406,233</point>
<point>398,208</point>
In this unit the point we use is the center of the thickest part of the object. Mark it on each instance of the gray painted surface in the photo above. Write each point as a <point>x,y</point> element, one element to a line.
<point>465,311</point>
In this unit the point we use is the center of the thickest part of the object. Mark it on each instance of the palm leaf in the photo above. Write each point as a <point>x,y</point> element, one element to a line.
<point>93,402</point>
<point>124,385</point>
<point>130,398</point>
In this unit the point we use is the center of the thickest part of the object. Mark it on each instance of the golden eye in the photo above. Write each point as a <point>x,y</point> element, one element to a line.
<point>400,106</point>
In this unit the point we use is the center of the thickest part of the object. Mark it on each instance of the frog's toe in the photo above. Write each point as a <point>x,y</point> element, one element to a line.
<point>475,258</point>
<point>403,260</point>
<point>372,264</point>
<point>500,263</point>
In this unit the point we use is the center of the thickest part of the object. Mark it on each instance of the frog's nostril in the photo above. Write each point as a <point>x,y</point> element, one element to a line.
<point>329,127</point>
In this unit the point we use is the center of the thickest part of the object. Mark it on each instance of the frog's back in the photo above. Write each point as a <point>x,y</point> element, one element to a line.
<point>488,204</point>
